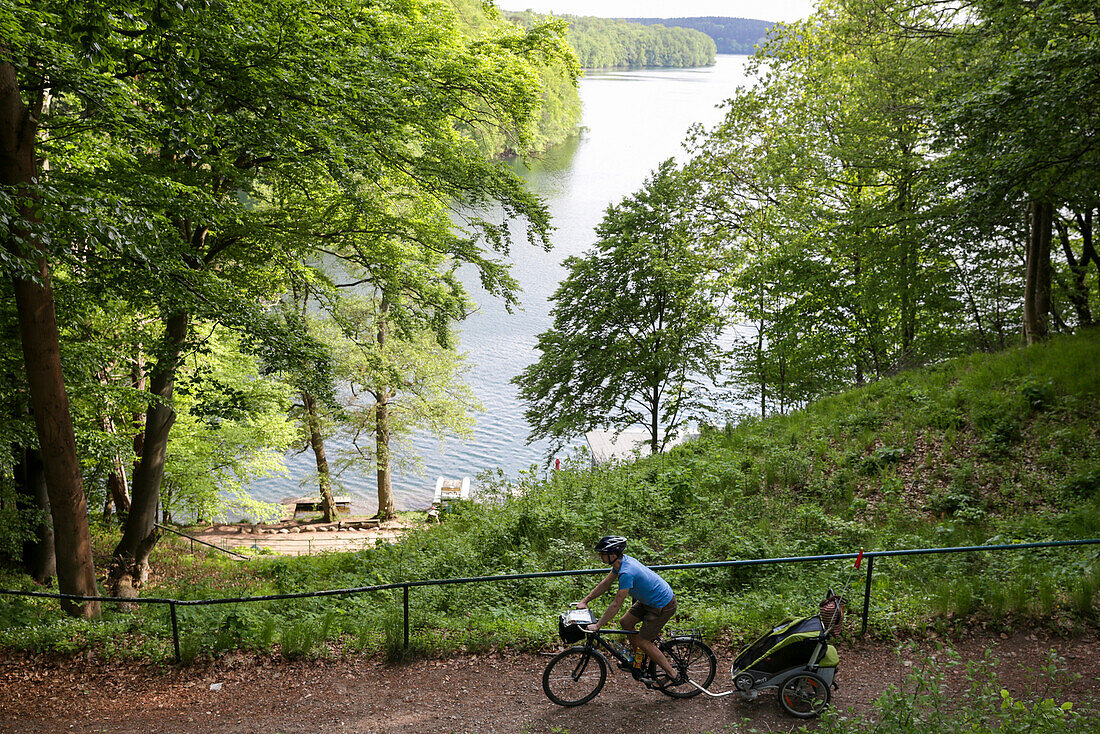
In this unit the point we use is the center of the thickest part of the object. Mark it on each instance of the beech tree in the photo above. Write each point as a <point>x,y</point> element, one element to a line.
<point>819,180</point>
<point>637,321</point>
<point>174,123</point>
<point>1020,131</point>
<point>384,301</point>
<point>240,104</point>
<point>52,56</point>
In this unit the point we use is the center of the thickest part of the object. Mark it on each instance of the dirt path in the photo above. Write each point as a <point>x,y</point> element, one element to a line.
<point>500,692</point>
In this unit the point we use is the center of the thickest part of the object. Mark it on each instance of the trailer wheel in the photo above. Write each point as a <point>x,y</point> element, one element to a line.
<point>804,695</point>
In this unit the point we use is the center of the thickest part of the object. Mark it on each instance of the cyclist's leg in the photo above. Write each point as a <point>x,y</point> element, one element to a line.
<point>652,623</point>
<point>630,620</point>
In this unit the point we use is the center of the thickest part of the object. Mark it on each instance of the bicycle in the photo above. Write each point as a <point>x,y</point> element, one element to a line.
<point>575,676</point>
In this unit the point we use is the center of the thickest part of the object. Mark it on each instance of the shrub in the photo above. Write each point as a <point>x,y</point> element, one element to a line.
<point>1083,486</point>
<point>1040,395</point>
<point>925,704</point>
<point>881,458</point>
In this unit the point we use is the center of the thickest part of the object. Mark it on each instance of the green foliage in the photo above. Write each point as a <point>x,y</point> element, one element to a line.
<point>925,703</point>
<point>300,637</point>
<point>635,334</point>
<point>849,182</point>
<point>602,43</point>
<point>784,486</point>
<point>203,159</point>
<point>1083,486</point>
<point>881,458</point>
<point>231,427</point>
<point>559,109</point>
<point>730,35</point>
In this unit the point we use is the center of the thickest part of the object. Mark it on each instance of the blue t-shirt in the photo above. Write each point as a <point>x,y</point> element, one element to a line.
<point>644,584</point>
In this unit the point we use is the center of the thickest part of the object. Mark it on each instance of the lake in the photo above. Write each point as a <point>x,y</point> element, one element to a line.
<point>633,120</point>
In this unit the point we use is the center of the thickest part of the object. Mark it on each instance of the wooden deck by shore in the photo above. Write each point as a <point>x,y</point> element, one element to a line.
<point>294,538</point>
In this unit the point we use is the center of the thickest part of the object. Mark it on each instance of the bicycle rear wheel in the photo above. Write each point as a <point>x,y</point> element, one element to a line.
<point>690,656</point>
<point>574,676</point>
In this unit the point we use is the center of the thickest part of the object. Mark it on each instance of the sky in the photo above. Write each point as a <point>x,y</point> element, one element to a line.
<point>785,10</point>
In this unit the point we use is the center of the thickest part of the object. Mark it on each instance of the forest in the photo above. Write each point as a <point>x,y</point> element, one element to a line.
<point>896,186</point>
<point>895,221</point>
<point>234,226</point>
<point>214,215</point>
<point>730,35</point>
<point>604,43</point>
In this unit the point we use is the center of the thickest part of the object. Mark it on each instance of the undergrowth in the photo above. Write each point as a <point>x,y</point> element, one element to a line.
<point>926,702</point>
<point>988,450</point>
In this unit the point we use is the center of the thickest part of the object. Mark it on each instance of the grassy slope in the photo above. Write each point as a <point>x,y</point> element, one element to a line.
<point>993,448</point>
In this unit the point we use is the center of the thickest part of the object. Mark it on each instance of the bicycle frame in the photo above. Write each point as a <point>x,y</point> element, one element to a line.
<point>596,640</point>
<point>577,674</point>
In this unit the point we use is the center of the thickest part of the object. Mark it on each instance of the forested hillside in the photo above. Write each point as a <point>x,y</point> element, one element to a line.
<point>988,449</point>
<point>559,113</point>
<point>232,228</point>
<point>602,43</point>
<point>873,200</point>
<point>731,35</point>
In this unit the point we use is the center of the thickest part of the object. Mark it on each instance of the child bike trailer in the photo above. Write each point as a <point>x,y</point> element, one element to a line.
<point>795,658</point>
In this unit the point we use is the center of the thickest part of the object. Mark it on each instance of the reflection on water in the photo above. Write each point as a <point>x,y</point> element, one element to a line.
<point>632,121</point>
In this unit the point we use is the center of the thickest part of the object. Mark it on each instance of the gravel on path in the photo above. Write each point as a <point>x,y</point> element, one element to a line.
<point>496,692</point>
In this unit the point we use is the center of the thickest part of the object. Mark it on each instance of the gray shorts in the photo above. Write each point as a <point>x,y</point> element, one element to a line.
<point>652,618</point>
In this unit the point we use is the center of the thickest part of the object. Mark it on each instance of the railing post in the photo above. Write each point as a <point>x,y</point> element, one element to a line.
<point>405,589</point>
<point>867,594</point>
<point>175,632</point>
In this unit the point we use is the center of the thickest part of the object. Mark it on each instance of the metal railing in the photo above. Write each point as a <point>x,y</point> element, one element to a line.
<point>869,556</point>
<point>194,540</point>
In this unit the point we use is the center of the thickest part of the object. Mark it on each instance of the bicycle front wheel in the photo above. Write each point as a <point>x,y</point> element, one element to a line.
<point>690,656</point>
<point>574,676</point>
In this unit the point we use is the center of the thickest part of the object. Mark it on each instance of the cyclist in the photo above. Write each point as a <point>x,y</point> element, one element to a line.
<point>654,601</point>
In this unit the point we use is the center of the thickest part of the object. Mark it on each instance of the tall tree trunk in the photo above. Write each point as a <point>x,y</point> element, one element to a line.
<point>118,493</point>
<point>118,490</point>
<point>387,508</point>
<point>760,367</point>
<point>30,485</point>
<point>782,384</point>
<point>137,381</point>
<point>1078,289</point>
<point>42,354</point>
<point>140,533</point>
<point>909,262</point>
<point>1037,282</point>
<point>1088,247</point>
<point>655,420</point>
<point>317,441</point>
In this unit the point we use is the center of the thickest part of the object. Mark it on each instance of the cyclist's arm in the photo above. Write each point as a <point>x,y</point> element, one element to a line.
<point>612,609</point>
<point>600,590</point>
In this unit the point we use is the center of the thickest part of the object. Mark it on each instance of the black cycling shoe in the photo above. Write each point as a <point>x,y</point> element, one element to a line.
<point>664,681</point>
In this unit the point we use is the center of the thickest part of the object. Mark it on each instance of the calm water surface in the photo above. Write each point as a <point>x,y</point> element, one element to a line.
<point>633,120</point>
